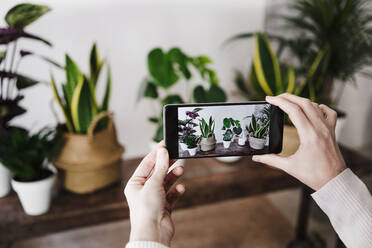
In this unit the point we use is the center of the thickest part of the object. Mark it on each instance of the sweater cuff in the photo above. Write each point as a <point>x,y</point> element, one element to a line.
<point>348,204</point>
<point>145,244</point>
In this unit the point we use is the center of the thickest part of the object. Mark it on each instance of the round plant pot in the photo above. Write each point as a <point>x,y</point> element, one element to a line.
<point>91,161</point>
<point>229,160</point>
<point>5,178</point>
<point>207,144</point>
<point>256,143</point>
<point>183,146</point>
<point>192,151</point>
<point>35,196</point>
<point>226,144</point>
<point>179,162</point>
<point>242,140</point>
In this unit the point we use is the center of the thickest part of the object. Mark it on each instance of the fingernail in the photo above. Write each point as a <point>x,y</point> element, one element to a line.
<point>268,97</point>
<point>255,158</point>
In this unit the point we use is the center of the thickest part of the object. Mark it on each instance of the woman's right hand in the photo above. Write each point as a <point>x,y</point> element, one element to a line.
<point>318,158</point>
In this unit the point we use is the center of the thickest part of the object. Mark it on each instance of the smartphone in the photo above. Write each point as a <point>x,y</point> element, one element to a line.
<point>222,129</point>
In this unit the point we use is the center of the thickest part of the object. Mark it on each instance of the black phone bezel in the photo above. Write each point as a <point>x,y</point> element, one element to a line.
<point>170,121</point>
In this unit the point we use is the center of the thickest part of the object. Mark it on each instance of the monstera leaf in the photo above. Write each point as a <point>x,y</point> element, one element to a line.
<point>161,68</point>
<point>22,15</point>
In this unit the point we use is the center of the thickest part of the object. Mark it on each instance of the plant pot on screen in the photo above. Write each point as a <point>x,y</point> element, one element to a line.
<point>207,139</point>
<point>258,132</point>
<point>28,158</point>
<point>91,154</point>
<point>192,144</point>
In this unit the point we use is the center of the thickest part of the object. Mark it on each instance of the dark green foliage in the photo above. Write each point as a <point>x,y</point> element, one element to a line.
<point>25,155</point>
<point>12,82</point>
<point>207,129</point>
<point>258,129</point>
<point>229,124</point>
<point>228,135</point>
<point>191,141</point>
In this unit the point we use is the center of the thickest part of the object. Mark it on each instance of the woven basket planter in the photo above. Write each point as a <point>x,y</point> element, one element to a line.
<point>92,161</point>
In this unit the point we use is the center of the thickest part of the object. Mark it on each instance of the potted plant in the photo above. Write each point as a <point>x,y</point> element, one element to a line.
<point>257,133</point>
<point>90,154</point>
<point>228,134</point>
<point>186,127</point>
<point>207,138</point>
<point>191,142</point>
<point>28,158</point>
<point>12,83</point>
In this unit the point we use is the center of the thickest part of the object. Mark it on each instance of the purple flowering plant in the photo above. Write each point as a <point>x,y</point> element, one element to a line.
<point>186,127</point>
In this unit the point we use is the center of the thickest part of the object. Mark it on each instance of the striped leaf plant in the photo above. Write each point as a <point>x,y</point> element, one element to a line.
<point>77,97</point>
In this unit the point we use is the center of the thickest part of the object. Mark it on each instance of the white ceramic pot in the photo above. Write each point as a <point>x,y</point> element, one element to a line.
<point>5,178</point>
<point>179,162</point>
<point>231,159</point>
<point>35,196</point>
<point>226,144</point>
<point>241,140</point>
<point>192,151</point>
<point>256,143</point>
<point>183,146</point>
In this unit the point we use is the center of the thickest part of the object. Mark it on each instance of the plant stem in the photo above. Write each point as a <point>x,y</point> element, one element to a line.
<point>11,67</point>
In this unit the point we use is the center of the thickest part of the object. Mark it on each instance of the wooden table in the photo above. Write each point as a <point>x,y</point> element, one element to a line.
<point>207,181</point>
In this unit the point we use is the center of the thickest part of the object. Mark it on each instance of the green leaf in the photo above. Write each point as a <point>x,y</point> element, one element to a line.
<point>82,106</point>
<point>266,66</point>
<point>226,122</point>
<point>151,90</point>
<point>95,64</point>
<point>172,99</point>
<point>159,134</point>
<point>178,57</point>
<point>161,68</point>
<point>2,56</point>
<point>214,94</point>
<point>154,119</point>
<point>22,82</point>
<point>106,99</point>
<point>22,15</point>
<point>73,75</point>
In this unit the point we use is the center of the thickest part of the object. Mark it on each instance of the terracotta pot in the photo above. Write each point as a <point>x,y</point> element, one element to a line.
<point>291,141</point>
<point>207,144</point>
<point>92,161</point>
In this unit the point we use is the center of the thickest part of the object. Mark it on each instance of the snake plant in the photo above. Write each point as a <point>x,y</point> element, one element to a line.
<point>258,129</point>
<point>207,129</point>
<point>78,99</point>
<point>268,77</point>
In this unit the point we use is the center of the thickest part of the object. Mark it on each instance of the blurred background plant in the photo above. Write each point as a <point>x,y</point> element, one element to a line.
<point>78,99</point>
<point>330,40</point>
<point>166,70</point>
<point>27,156</point>
<point>13,83</point>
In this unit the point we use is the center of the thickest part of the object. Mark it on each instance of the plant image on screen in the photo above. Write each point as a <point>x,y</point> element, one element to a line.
<point>223,130</point>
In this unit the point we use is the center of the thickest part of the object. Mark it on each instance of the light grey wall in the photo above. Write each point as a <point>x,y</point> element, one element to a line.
<point>125,31</point>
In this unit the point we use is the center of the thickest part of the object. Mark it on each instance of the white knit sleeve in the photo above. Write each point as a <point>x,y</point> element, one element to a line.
<point>348,204</point>
<point>145,244</point>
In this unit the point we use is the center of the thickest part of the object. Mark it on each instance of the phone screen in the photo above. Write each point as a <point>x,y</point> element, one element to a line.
<point>211,130</point>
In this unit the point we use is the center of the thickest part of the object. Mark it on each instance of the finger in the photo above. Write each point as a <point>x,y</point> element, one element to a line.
<point>307,107</point>
<point>172,177</point>
<point>294,112</point>
<point>174,194</point>
<point>272,160</point>
<point>161,166</point>
<point>331,115</point>
<point>146,166</point>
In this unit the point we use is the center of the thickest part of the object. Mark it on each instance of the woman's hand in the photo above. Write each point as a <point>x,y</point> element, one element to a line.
<point>150,197</point>
<point>318,158</point>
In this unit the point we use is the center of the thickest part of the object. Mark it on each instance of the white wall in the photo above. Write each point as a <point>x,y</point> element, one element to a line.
<point>125,31</point>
